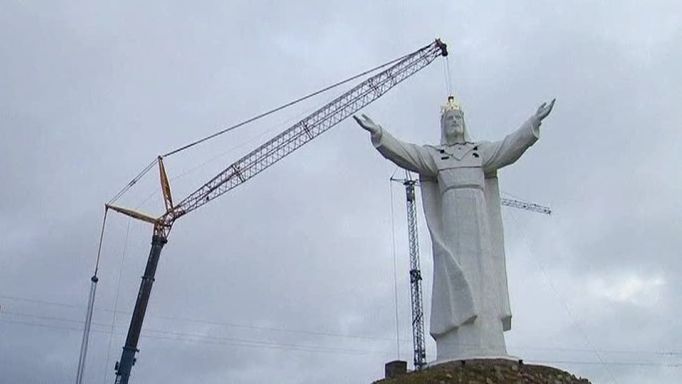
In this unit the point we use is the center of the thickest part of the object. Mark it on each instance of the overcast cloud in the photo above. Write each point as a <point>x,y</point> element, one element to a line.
<point>289,278</point>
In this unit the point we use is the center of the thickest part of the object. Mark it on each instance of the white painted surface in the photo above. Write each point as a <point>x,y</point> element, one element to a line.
<point>470,304</point>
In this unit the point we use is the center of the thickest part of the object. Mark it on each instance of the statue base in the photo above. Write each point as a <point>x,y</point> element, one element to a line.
<point>490,371</point>
<point>436,363</point>
<point>482,338</point>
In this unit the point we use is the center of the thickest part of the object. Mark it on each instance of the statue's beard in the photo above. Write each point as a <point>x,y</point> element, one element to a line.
<point>454,135</point>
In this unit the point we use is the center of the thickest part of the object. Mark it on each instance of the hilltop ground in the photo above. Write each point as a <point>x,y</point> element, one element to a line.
<point>489,371</point>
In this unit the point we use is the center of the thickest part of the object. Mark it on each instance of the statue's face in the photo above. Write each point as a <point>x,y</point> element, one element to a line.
<point>452,124</point>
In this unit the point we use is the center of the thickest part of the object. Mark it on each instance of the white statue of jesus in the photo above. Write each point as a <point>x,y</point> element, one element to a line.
<point>470,304</point>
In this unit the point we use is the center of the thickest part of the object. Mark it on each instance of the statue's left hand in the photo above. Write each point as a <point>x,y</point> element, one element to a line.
<point>544,110</point>
<point>367,124</point>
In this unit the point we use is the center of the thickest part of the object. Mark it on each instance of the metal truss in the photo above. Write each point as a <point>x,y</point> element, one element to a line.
<point>418,340</point>
<point>307,129</point>
<point>525,205</point>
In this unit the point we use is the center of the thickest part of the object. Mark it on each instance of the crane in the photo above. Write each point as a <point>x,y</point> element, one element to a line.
<point>249,166</point>
<point>418,342</point>
<point>418,339</point>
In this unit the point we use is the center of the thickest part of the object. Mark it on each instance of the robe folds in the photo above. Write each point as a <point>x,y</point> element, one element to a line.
<point>461,202</point>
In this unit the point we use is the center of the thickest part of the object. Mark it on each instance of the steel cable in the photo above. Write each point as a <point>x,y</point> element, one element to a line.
<point>289,104</point>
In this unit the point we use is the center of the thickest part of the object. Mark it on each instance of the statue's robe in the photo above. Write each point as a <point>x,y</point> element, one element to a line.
<point>470,301</point>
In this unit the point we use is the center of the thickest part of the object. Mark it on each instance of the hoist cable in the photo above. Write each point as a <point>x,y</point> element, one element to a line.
<point>447,62</point>
<point>115,310</point>
<point>228,129</point>
<point>447,75</point>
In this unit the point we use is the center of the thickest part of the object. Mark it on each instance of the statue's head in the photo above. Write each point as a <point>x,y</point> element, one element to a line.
<point>452,125</point>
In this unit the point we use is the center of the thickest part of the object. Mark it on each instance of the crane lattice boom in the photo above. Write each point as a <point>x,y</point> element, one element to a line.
<point>526,205</point>
<point>307,129</point>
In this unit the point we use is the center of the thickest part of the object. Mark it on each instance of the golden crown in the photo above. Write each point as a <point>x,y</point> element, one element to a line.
<point>451,105</point>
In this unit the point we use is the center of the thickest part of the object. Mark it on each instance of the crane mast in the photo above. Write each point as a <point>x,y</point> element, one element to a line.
<point>418,340</point>
<point>250,165</point>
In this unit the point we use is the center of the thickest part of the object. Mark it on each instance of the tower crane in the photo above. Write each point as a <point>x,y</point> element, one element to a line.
<point>418,342</point>
<point>249,166</point>
<point>418,339</point>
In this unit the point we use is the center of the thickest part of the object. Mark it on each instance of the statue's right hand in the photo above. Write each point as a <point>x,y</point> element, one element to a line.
<point>367,124</point>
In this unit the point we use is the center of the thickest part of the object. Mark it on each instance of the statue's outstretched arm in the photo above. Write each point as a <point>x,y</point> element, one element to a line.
<point>501,153</point>
<point>544,110</point>
<point>409,156</point>
<point>367,124</point>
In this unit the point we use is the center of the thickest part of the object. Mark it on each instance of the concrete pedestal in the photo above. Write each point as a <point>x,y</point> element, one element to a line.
<point>395,368</point>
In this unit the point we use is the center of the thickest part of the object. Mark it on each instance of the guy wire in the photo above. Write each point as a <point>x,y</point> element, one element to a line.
<point>211,136</point>
<point>133,181</point>
<point>118,291</point>
<point>566,306</point>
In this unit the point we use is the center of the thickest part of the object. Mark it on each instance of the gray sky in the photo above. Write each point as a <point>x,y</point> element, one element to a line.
<point>290,276</point>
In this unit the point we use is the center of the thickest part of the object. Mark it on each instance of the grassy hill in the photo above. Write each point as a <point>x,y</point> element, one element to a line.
<point>486,371</point>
